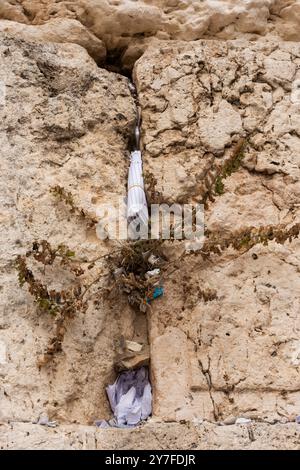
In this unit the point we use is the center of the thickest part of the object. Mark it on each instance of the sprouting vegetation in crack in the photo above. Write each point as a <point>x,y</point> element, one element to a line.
<point>212,179</point>
<point>244,239</point>
<point>153,196</point>
<point>62,195</point>
<point>213,183</point>
<point>59,304</point>
<point>135,271</point>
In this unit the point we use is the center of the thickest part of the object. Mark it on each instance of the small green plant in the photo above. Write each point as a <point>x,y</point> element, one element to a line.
<point>128,274</point>
<point>153,196</point>
<point>135,268</point>
<point>213,184</point>
<point>244,239</point>
<point>59,304</point>
<point>241,240</point>
<point>219,186</point>
<point>235,160</point>
<point>62,195</point>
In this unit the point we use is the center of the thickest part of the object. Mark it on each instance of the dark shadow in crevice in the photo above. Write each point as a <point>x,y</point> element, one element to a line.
<point>113,63</point>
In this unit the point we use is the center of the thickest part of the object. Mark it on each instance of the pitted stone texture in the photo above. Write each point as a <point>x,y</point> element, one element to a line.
<point>128,25</point>
<point>238,354</point>
<point>199,99</point>
<point>153,435</point>
<point>61,30</point>
<point>63,122</point>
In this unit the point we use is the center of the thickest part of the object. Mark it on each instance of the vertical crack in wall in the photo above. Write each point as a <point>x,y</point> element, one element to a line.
<point>207,375</point>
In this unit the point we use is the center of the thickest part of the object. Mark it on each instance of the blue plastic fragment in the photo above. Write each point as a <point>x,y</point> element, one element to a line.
<point>158,291</point>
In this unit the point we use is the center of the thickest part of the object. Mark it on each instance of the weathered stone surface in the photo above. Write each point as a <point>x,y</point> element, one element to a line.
<point>127,26</point>
<point>153,435</point>
<point>238,354</point>
<point>64,122</point>
<point>198,99</point>
<point>61,30</point>
<point>170,365</point>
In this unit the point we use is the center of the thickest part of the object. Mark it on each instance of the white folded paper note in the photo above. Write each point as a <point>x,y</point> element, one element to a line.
<point>137,208</point>
<point>130,397</point>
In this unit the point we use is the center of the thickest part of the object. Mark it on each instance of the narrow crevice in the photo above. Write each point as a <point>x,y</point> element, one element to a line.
<point>134,140</point>
<point>124,361</point>
<point>114,63</point>
<point>207,376</point>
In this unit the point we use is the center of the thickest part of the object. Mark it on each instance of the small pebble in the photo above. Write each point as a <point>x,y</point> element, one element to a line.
<point>230,420</point>
<point>297,419</point>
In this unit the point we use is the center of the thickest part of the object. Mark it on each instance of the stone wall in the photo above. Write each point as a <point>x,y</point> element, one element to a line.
<point>153,435</point>
<point>237,354</point>
<point>64,122</point>
<point>207,74</point>
<point>125,27</point>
